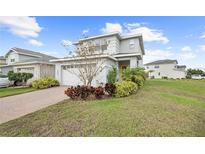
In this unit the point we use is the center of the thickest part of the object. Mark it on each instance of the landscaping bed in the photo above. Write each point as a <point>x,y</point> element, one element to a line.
<point>132,79</point>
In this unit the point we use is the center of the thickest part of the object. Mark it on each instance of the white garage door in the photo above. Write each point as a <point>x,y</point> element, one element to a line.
<point>68,78</point>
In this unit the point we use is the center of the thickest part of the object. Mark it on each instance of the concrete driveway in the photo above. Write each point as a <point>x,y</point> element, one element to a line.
<point>16,106</point>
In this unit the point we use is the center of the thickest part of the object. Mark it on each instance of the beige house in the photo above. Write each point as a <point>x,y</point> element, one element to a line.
<point>22,60</point>
<point>166,69</point>
<point>2,60</point>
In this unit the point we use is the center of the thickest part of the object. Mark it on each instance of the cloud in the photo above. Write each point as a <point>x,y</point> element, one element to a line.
<point>85,31</point>
<point>186,48</point>
<point>152,55</point>
<point>35,42</point>
<point>66,43</point>
<point>186,53</point>
<point>203,35</point>
<point>149,34</point>
<point>168,48</point>
<point>189,36</point>
<point>131,25</point>
<point>68,46</point>
<point>21,26</point>
<point>202,47</point>
<point>112,27</point>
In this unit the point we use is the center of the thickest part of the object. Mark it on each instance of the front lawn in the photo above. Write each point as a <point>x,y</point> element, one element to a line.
<point>14,91</point>
<point>160,108</point>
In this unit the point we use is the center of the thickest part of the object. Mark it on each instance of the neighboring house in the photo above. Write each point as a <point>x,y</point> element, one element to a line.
<point>2,60</point>
<point>22,60</point>
<point>119,51</point>
<point>197,76</point>
<point>166,69</point>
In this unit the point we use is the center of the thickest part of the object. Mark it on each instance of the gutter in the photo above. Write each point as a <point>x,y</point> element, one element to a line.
<point>81,58</point>
<point>27,63</point>
<point>126,55</point>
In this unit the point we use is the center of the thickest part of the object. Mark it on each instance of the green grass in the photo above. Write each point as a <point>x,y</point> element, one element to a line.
<point>4,92</point>
<point>161,108</point>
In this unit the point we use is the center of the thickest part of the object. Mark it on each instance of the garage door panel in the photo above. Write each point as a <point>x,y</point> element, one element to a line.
<point>69,78</point>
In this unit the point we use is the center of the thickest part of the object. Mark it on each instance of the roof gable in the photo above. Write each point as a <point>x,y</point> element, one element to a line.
<point>41,56</point>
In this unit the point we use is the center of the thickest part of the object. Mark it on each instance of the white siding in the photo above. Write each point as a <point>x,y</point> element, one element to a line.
<point>12,55</point>
<point>102,76</point>
<point>113,44</point>
<point>58,71</point>
<point>165,70</point>
<point>125,46</point>
<point>133,62</point>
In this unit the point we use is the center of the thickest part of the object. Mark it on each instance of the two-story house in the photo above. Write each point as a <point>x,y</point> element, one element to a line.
<point>166,69</point>
<point>22,60</point>
<point>117,50</point>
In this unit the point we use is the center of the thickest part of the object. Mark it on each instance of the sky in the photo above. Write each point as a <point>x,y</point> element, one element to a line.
<point>181,38</point>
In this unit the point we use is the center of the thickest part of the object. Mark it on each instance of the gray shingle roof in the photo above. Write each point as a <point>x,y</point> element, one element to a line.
<point>165,61</point>
<point>181,66</point>
<point>42,56</point>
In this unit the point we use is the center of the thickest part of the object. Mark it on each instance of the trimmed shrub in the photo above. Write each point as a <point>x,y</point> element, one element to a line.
<point>99,92</point>
<point>110,89</point>
<point>83,92</point>
<point>45,83</point>
<point>138,79</point>
<point>112,75</point>
<point>19,78</point>
<point>125,88</point>
<point>26,76</point>
<point>136,75</point>
<point>72,92</point>
<point>164,77</point>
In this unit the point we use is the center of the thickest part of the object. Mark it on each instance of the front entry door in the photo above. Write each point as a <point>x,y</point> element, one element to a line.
<point>122,68</point>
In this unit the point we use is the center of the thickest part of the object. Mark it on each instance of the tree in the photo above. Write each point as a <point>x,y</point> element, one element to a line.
<point>26,76</point>
<point>128,73</point>
<point>191,72</point>
<point>88,60</point>
<point>112,75</point>
<point>18,77</point>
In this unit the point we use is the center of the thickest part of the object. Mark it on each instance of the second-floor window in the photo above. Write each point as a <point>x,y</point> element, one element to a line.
<point>12,60</point>
<point>104,47</point>
<point>101,45</point>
